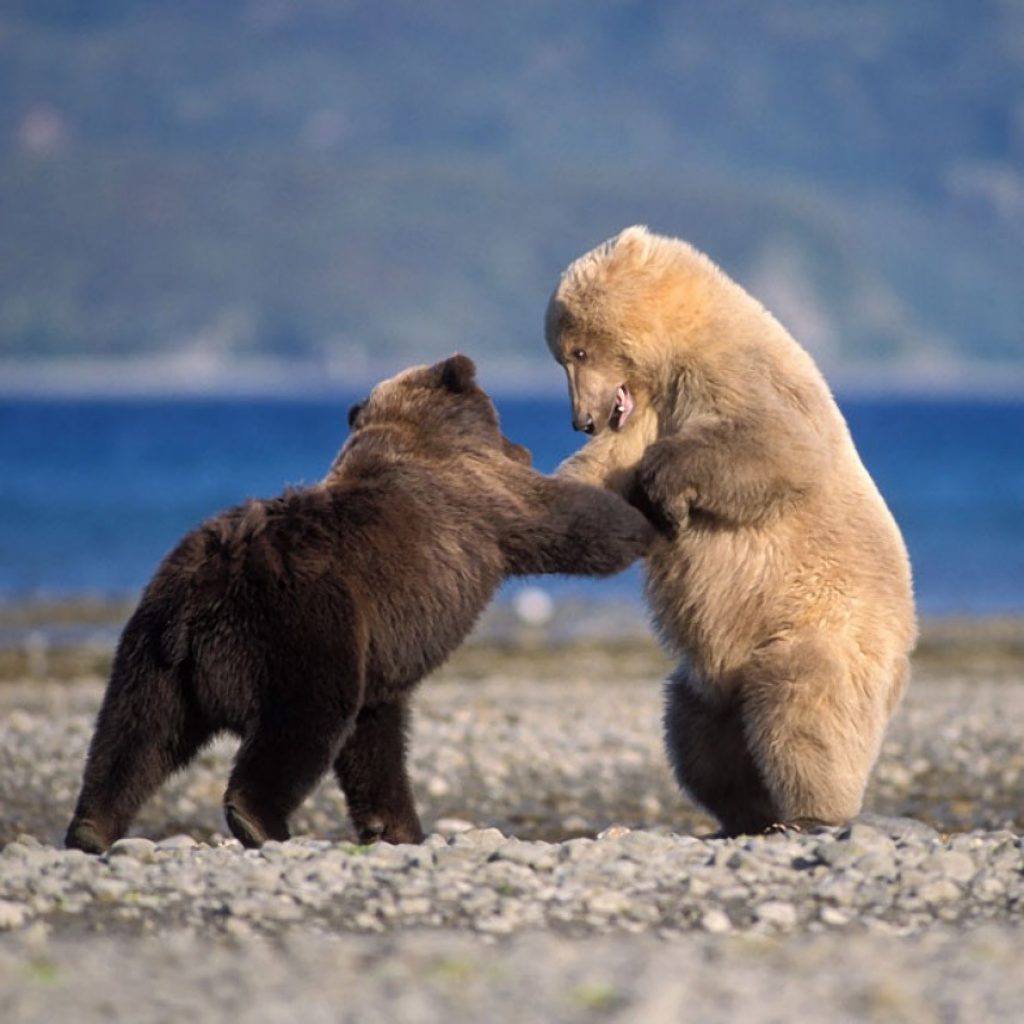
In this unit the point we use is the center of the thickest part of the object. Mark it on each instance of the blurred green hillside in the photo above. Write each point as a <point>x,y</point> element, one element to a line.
<point>350,185</point>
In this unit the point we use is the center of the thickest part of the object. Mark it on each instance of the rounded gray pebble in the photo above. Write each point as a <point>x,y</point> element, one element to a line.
<point>136,849</point>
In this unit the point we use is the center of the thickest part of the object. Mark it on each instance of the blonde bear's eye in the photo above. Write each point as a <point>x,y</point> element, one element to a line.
<point>580,355</point>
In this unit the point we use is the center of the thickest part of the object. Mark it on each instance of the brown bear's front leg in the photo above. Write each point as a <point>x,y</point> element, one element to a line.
<point>575,529</point>
<point>371,772</point>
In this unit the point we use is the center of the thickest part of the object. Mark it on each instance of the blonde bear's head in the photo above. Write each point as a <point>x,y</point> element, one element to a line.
<point>625,315</point>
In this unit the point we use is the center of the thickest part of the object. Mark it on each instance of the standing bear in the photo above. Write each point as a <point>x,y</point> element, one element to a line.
<point>780,581</point>
<point>302,623</point>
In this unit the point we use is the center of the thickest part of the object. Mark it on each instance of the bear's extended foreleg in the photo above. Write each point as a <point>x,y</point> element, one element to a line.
<point>575,529</point>
<point>371,772</point>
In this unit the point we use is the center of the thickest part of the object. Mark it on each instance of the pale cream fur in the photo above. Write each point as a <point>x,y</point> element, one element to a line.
<point>785,589</point>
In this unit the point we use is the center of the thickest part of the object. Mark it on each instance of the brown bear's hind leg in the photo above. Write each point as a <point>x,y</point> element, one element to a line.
<point>279,762</point>
<point>712,762</point>
<point>371,772</point>
<point>145,730</point>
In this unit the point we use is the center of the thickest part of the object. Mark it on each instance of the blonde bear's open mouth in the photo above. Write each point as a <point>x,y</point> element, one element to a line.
<point>622,409</point>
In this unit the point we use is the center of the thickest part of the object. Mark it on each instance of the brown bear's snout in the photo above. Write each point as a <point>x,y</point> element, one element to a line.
<point>584,423</point>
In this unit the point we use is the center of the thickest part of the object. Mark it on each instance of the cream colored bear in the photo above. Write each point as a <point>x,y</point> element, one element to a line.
<point>781,581</point>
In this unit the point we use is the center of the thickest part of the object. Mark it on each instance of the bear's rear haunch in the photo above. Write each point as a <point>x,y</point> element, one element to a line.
<point>302,623</point>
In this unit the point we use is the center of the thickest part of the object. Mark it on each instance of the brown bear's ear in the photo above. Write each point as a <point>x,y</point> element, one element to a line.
<point>516,452</point>
<point>458,373</point>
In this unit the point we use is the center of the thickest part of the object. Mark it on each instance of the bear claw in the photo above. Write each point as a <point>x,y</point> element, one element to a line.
<point>85,835</point>
<point>246,829</point>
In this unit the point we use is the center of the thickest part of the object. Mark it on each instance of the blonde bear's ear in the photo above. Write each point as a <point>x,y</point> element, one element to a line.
<point>635,239</point>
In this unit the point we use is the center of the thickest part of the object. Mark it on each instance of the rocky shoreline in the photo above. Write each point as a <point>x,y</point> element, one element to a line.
<point>890,875</point>
<point>563,864</point>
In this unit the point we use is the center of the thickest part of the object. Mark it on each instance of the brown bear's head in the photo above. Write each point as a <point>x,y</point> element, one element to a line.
<point>439,409</point>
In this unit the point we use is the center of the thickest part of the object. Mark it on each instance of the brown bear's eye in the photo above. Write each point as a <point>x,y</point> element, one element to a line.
<point>353,413</point>
<point>580,355</point>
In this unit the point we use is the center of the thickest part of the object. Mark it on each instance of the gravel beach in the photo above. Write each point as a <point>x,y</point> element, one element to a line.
<point>564,879</point>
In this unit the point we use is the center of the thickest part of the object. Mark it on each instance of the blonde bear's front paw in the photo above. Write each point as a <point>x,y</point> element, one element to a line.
<point>657,490</point>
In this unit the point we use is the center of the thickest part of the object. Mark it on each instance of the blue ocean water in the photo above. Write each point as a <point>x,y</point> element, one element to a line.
<point>94,492</point>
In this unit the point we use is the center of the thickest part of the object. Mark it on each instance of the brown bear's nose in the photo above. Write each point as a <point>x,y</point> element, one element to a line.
<point>586,425</point>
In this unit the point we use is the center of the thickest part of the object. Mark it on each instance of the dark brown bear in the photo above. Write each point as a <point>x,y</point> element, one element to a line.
<point>302,623</point>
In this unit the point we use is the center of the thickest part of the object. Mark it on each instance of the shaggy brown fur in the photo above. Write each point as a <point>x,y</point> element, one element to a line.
<point>782,582</point>
<point>302,623</point>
